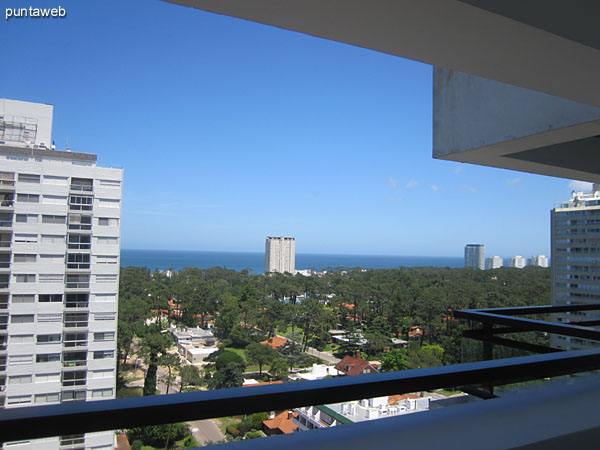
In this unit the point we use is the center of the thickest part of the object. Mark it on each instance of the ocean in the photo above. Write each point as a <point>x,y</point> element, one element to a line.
<point>255,262</point>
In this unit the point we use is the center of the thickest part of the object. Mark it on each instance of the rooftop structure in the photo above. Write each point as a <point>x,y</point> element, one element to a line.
<point>352,366</point>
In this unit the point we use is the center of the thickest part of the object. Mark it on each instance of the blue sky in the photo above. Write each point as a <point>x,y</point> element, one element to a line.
<point>230,131</point>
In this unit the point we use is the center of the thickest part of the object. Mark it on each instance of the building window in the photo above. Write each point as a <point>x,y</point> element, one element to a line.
<point>48,338</point>
<point>75,339</point>
<point>104,316</point>
<point>102,240</point>
<point>49,318</point>
<point>52,259</point>
<point>22,298</point>
<point>82,184</point>
<point>104,354</point>
<point>78,261</point>
<point>21,318</point>
<point>18,400</point>
<point>47,377</point>
<point>79,241</point>
<point>72,396</point>
<point>54,200</point>
<point>76,320</point>
<point>81,281</point>
<point>106,278</point>
<point>21,339</point>
<point>110,183</point>
<point>104,336</point>
<point>59,220</point>
<point>28,178</point>
<point>47,357</point>
<point>53,239</point>
<point>26,218</point>
<point>80,203</point>
<point>106,259</point>
<point>26,238</point>
<point>28,198</point>
<point>24,258</point>
<point>51,278</point>
<point>102,373</point>
<point>19,379</point>
<point>24,278</point>
<point>17,360</point>
<point>108,222</point>
<point>50,298</point>
<point>109,203</point>
<point>75,378</point>
<point>96,393</point>
<point>47,398</point>
<point>51,179</point>
<point>80,222</point>
<point>105,297</point>
<point>77,301</point>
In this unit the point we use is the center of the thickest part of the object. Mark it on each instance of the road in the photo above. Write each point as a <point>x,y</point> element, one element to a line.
<point>325,356</point>
<point>205,431</point>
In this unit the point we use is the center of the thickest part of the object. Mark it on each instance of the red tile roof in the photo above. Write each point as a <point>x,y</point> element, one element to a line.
<point>122,442</point>
<point>276,342</point>
<point>281,423</point>
<point>354,366</point>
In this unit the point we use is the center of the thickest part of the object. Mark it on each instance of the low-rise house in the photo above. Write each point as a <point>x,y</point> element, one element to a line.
<point>193,336</point>
<point>195,355</point>
<point>355,366</point>
<point>275,342</point>
<point>415,333</point>
<point>281,423</point>
<point>317,372</point>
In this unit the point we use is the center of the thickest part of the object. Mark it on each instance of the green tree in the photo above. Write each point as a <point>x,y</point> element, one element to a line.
<point>170,361</point>
<point>394,360</point>
<point>230,376</point>
<point>260,354</point>
<point>190,376</point>
<point>154,343</point>
<point>158,435</point>
<point>279,368</point>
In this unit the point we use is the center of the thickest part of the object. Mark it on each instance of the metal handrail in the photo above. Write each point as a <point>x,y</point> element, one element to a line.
<point>46,421</point>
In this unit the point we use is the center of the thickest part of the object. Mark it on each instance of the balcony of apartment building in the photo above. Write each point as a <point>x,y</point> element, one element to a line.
<point>77,301</point>
<point>81,185</point>
<point>515,87</point>
<point>7,181</point>
<point>80,223</point>
<point>6,221</point>
<point>7,200</point>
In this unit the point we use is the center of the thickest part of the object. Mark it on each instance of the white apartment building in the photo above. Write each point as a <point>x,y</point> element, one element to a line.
<point>475,256</point>
<point>60,219</point>
<point>539,261</point>
<point>280,255</point>
<point>518,262</point>
<point>494,262</point>
<point>575,228</point>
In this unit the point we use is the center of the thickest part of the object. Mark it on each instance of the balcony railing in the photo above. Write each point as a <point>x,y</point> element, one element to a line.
<point>77,285</point>
<point>82,187</point>
<point>6,203</point>
<point>64,419</point>
<point>6,224</point>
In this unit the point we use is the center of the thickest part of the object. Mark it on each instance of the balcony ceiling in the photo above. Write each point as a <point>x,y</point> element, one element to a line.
<point>552,47</point>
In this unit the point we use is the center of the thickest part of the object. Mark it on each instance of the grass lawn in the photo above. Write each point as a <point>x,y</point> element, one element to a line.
<point>127,392</point>
<point>447,393</point>
<point>242,353</point>
<point>223,422</point>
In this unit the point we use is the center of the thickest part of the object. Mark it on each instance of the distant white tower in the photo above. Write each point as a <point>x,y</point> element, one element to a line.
<point>518,262</point>
<point>539,260</point>
<point>494,262</point>
<point>280,254</point>
<point>475,256</point>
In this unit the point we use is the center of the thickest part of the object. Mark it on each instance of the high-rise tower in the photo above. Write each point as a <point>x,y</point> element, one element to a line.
<point>475,256</point>
<point>576,261</point>
<point>60,218</point>
<point>280,255</point>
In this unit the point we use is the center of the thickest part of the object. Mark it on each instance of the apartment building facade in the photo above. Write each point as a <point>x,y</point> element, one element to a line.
<point>60,218</point>
<point>280,254</point>
<point>517,262</point>
<point>575,231</point>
